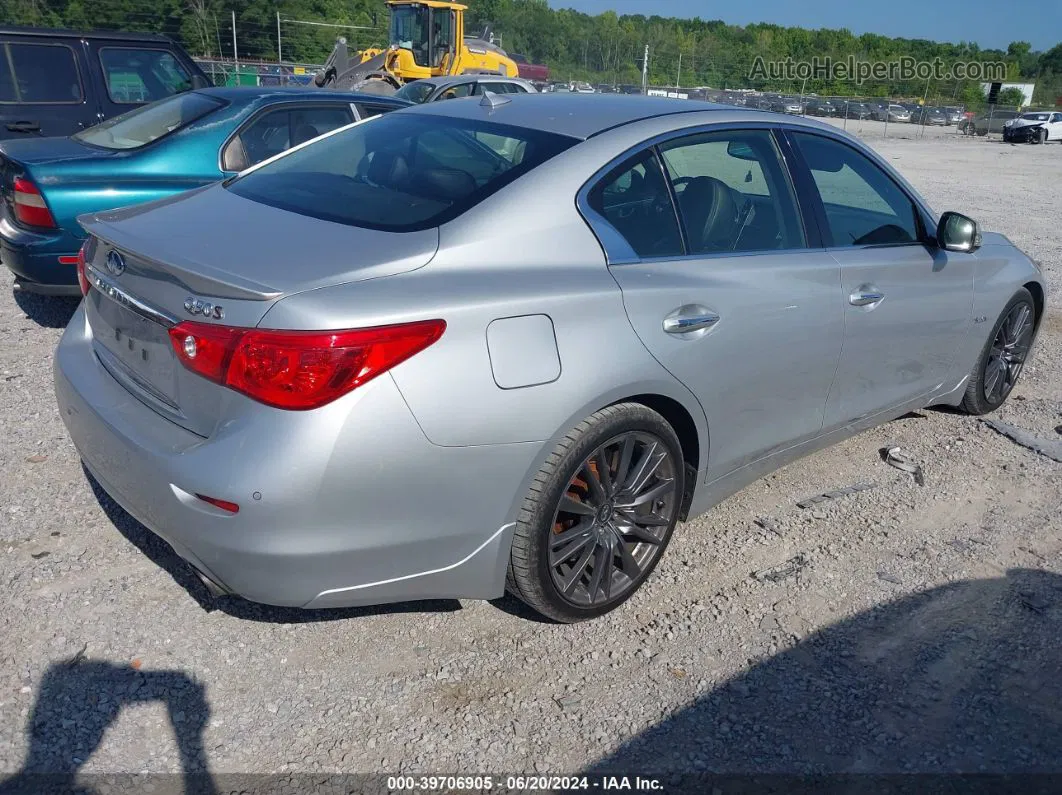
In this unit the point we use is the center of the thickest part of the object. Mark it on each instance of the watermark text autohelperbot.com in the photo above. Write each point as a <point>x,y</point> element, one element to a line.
<point>851,69</point>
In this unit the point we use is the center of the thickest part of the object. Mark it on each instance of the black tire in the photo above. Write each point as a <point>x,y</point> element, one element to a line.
<point>976,401</point>
<point>530,576</point>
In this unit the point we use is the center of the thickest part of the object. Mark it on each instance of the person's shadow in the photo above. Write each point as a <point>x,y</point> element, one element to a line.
<point>965,678</point>
<point>79,700</point>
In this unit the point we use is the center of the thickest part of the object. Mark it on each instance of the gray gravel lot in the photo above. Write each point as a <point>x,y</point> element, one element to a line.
<point>901,628</point>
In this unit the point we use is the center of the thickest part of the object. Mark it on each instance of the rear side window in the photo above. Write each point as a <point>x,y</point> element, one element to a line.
<point>399,172</point>
<point>368,111</point>
<point>635,199</point>
<point>497,88</point>
<point>147,124</point>
<point>142,75</point>
<point>279,130</point>
<point>458,91</point>
<point>39,74</point>
<point>415,91</point>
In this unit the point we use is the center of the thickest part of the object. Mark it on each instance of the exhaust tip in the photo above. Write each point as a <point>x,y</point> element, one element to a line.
<point>212,587</point>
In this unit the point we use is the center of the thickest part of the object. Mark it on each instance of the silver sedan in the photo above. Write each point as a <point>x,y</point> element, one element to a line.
<point>509,344</point>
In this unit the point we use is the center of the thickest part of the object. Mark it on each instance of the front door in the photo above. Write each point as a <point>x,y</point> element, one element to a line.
<point>731,302</point>
<point>907,304</point>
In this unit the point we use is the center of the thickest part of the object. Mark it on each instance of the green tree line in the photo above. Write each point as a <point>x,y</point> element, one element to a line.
<point>605,48</point>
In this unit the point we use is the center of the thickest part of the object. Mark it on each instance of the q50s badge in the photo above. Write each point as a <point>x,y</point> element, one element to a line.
<point>197,306</point>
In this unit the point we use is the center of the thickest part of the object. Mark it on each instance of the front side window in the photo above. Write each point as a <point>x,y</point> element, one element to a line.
<point>864,206</point>
<point>144,125</point>
<point>38,74</point>
<point>142,75</point>
<point>634,198</point>
<point>732,192</point>
<point>409,31</point>
<point>399,172</point>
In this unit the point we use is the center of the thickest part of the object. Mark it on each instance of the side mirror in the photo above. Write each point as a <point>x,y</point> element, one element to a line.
<point>956,232</point>
<point>198,81</point>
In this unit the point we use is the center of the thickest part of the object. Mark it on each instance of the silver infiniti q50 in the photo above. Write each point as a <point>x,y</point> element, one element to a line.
<point>508,344</point>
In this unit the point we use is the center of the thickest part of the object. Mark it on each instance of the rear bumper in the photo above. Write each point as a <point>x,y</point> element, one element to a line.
<point>354,505</point>
<point>34,259</point>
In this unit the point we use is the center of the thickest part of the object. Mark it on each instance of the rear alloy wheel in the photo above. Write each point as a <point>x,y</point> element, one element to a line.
<point>599,514</point>
<point>1003,357</point>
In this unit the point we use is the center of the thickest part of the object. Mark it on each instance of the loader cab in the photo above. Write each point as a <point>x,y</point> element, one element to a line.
<point>428,31</point>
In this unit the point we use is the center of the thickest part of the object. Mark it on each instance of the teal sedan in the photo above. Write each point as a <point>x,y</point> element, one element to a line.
<point>176,144</point>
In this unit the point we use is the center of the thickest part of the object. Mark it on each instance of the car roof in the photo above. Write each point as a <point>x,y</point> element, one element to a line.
<point>252,93</point>
<point>63,33</point>
<point>574,115</point>
<point>469,78</point>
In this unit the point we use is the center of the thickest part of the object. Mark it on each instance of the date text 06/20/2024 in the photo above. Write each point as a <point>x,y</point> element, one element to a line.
<point>514,784</point>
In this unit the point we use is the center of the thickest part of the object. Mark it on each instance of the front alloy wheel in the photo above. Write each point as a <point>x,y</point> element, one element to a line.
<point>1007,356</point>
<point>1003,356</point>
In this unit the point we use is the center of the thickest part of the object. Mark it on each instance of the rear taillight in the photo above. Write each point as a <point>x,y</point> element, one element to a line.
<point>82,277</point>
<point>297,369</point>
<point>30,207</point>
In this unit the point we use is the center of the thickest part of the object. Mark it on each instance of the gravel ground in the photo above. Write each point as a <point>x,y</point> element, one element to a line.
<point>901,628</point>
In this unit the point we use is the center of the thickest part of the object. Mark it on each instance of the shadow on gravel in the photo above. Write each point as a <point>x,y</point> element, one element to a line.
<point>964,678</point>
<point>80,699</point>
<point>162,555</point>
<point>45,310</point>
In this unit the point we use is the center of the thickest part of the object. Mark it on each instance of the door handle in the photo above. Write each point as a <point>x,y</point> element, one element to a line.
<point>682,323</point>
<point>866,296</point>
<point>24,126</point>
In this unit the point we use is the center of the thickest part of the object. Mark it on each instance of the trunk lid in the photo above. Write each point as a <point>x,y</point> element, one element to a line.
<point>33,158</point>
<point>207,253</point>
<point>38,151</point>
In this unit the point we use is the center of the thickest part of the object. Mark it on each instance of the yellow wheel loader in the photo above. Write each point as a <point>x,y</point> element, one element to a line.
<point>427,40</point>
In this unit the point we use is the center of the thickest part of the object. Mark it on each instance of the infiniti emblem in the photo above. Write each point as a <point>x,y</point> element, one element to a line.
<point>115,262</point>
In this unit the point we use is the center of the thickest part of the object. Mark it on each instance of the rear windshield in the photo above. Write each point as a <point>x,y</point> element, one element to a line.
<point>400,172</point>
<point>149,123</point>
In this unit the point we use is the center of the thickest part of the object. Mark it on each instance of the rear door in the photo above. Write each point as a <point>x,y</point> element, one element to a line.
<point>43,88</point>
<point>906,302</point>
<point>734,302</point>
